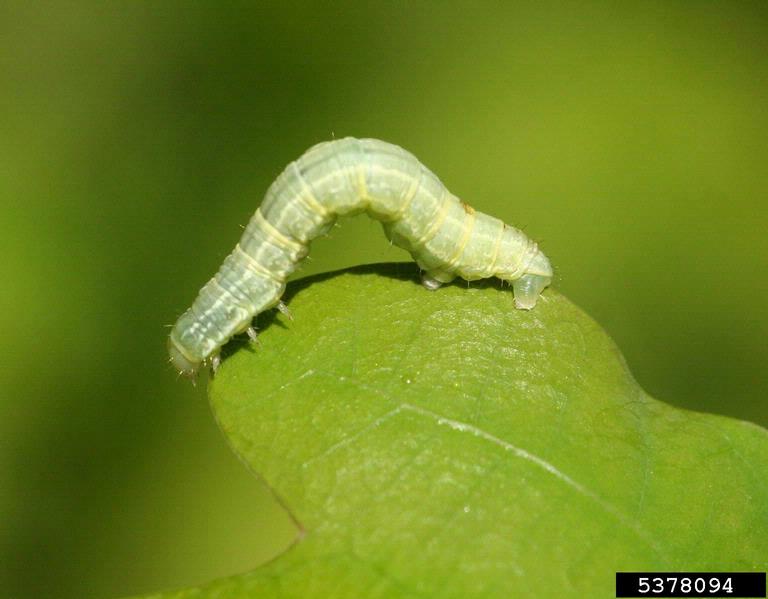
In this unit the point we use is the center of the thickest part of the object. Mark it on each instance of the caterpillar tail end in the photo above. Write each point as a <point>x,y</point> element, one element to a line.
<point>183,365</point>
<point>527,290</point>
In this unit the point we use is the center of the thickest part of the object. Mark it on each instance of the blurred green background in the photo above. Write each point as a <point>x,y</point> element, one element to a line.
<point>137,137</point>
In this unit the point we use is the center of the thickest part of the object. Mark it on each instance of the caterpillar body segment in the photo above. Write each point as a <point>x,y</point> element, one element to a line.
<point>446,237</point>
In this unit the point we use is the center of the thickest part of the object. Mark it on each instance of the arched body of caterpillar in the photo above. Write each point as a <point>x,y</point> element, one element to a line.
<point>446,237</point>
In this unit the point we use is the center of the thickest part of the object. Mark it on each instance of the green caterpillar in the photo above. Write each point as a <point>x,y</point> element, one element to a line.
<point>445,236</point>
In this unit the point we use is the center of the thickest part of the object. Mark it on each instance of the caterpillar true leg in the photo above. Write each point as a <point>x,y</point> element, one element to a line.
<point>446,237</point>
<point>284,310</point>
<point>252,335</point>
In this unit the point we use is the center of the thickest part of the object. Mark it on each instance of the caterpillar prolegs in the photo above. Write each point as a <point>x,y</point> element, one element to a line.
<point>446,237</point>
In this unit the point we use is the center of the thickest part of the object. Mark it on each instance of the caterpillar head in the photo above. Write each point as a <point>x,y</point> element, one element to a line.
<point>185,366</point>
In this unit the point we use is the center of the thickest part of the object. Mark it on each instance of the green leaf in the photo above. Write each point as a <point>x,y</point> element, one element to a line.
<point>444,444</point>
